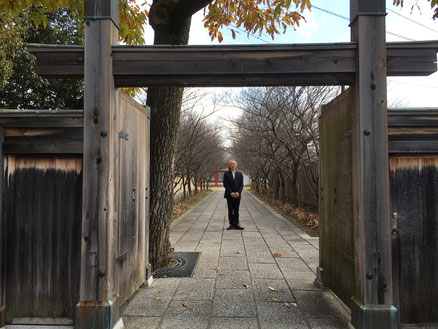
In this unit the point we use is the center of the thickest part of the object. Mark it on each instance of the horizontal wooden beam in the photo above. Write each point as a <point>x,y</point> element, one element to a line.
<point>40,121</point>
<point>254,65</point>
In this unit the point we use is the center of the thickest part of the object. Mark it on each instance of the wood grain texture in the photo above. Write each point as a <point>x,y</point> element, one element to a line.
<point>43,197</point>
<point>414,198</point>
<point>191,66</point>
<point>336,206</point>
<point>99,106</point>
<point>370,164</point>
<point>2,229</point>
<point>130,233</point>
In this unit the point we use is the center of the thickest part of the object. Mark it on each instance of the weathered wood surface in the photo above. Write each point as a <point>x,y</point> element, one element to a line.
<point>336,204</point>
<point>132,169</point>
<point>98,189</point>
<point>41,119</point>
<point>43,140</point>
<point>2,236</point>
<point>413,132</point>
<point>414,205</point>
<point>370,164</point>
<point>317,64</point>
<point>413,118</point>
<point>42,202</point>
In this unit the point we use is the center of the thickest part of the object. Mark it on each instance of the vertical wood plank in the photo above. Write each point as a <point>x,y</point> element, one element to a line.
<point>99,104</point>
<point>370,162</point>
<point>2,230</point>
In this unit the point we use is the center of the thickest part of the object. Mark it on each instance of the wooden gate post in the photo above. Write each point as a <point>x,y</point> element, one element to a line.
<point>98,307</point>
<point>2,240</point>
<point>372,306</point>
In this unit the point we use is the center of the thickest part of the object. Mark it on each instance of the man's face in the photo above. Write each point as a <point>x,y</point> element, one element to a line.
<point>232,165</point>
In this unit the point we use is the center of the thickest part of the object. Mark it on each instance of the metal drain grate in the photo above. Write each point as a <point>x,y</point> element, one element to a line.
<point>184,268</point>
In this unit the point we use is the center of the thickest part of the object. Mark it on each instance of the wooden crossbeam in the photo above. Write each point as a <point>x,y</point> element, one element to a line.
<point>214,66</point>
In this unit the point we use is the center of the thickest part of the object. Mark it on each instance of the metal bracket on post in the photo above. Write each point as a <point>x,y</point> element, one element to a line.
<point>100,9</point>
<point>371,316</point>
<point>103,315</point>
<point>319,281</point>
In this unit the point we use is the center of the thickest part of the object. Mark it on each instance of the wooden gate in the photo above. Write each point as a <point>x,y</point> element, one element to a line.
<point>413,141</point>
<point>42,207</point>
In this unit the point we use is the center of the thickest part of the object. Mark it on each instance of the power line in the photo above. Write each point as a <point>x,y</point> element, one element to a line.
<point>346,18</point>
<point>400,36</point>
<point>250,34</point>
<point>413,21</point>
<point>330,12</point>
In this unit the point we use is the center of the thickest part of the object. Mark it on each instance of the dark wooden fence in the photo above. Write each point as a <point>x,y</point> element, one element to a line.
<point>413,158</point>
<point>41,216</point>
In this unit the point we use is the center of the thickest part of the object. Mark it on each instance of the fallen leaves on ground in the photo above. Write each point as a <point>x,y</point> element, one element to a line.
<point>238,252</point>
<point>294,304</point>
<point>277,254</point>
<point>331,317</point>
<point>219,274</point>
<point>276,300</point>
<point>247,286</point>
<point>216,268</point>
<point>157,299</point>
<point>185,304</point>
<point>302,215</point>
<point>287,304</point>
<point>272,288</point>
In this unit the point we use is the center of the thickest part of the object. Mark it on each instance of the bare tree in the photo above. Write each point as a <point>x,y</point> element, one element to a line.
<point>283,123</point>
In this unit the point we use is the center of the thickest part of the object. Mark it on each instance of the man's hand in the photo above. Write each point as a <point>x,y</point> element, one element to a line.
<point>236,194</point>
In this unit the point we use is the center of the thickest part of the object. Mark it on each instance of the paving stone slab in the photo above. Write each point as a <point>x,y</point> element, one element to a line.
<point>263,293</point>
<point>290,265</point>
<point>301,280</point>
<point>200,309</point>
<point>285,252</point>
<point>261,257</point>
<point>145,307</point>
<point>277,315</point>
<point>184,322</point>
<point>140,322</point>
<point>234,323</point>
<point>265,271</point>
<point>233,279</point>
<point>234,303</point>
<point>195,289</point>
<point>320,304</point>
<point>228,263</point>
<point>331,323</point>
<point>160,287</point>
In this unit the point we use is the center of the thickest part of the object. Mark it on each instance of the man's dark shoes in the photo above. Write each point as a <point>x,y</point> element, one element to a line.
<point>238,227</point>
<point>230,227</point>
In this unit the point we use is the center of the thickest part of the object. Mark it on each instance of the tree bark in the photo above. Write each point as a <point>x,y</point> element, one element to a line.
<point>170,20</point>
<point>294,187</point>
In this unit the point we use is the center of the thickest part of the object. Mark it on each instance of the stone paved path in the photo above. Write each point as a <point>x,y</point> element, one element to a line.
<point>244,257</point>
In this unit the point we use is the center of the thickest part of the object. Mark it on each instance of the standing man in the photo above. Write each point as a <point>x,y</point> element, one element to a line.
<point>233,183</point>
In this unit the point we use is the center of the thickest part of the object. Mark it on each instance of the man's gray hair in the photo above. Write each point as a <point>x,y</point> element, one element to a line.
<point>232,160</point>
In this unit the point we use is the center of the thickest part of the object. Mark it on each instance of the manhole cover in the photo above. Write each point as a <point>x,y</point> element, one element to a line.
<point>184,268</point>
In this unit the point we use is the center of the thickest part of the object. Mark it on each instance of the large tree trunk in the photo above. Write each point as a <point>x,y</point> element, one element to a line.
<point>165,104</point>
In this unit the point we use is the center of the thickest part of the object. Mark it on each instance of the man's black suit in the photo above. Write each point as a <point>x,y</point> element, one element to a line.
<point>233,185</point>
